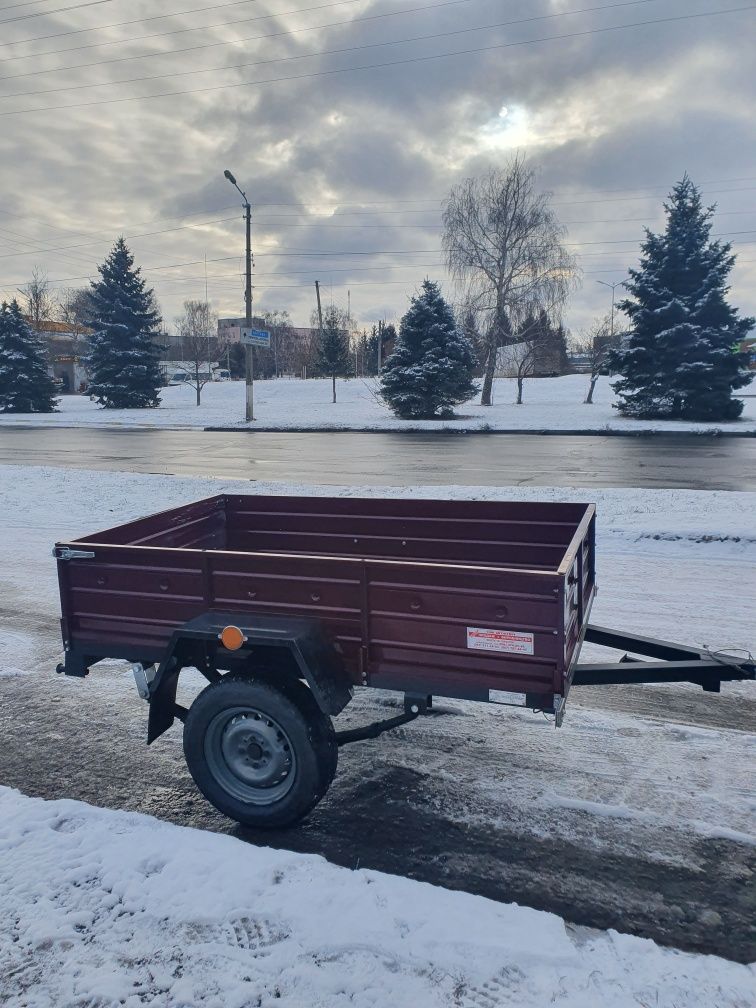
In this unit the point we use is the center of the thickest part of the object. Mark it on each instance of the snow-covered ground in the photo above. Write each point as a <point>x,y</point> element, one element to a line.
<point>550,404</point>
<point>106,909</point>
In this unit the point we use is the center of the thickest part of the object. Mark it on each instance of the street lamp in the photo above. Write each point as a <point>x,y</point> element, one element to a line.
<point>249,378</point>
<point>612,287</point>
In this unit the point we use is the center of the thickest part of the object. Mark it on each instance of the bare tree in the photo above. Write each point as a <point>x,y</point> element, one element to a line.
<point>504,248</point>
<point>528,354</point>
<point>197,328</point>
<point>40,301</point>
<point>278,324</point>
<point>75,309</point>
<point>471,324</point>
<point>595,345</point>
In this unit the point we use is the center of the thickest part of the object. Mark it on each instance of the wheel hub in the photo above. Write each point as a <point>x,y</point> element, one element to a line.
<point>250,755</point>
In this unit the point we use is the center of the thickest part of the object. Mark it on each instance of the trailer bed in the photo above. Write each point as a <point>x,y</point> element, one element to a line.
<point>467,599</point>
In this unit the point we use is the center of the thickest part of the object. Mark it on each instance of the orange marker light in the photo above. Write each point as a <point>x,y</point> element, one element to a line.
<point>232,638</point>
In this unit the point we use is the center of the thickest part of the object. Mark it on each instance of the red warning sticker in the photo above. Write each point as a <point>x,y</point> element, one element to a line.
<point>508,641</point>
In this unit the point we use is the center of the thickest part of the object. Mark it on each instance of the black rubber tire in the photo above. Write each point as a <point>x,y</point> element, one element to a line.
<point>309,731</point>
<point>301,695</point>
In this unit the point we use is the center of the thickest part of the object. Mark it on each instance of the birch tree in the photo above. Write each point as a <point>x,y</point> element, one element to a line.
<point>197,327</point>
<point>504,247</point>
<point>40,301</point>
<point>596,345</point>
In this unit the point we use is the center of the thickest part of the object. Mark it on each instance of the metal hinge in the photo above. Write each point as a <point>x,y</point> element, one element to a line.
<point>65,553</point>
<point>143,677</point>
<point>559,705</point>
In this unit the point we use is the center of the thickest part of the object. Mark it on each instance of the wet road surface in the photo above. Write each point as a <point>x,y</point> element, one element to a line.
<point>468,798</point>
<point>397,459</point>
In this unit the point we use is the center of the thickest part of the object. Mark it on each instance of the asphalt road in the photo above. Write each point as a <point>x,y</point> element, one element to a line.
<point>455,799</point>
<point>391,459</point>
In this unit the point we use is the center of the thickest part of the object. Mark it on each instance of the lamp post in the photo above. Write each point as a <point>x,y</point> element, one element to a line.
<point>612,287</point>
<point>249,376</point>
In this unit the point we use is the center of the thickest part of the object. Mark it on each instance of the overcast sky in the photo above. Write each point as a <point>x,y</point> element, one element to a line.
<point>346,168</point>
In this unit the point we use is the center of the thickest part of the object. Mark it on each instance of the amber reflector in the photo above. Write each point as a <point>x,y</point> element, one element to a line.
<point>232,638</point>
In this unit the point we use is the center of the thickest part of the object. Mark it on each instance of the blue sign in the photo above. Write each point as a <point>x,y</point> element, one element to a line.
<point>255,337</point>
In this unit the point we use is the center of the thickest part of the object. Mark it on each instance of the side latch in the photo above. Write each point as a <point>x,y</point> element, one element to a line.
<point>66,553</point>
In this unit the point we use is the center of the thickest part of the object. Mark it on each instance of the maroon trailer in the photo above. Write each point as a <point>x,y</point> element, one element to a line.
<point>285,604</point>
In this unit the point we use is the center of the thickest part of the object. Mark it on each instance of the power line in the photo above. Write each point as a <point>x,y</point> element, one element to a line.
<point>626,241</point>
<point>225,24</point>
<point>123,24</point>
<point>628,199</point>
<point>74,258</point>
<point>317,252</point>
<point>326,254</point>
<point>744,178</point>
<point>317,223</point>
<point>340,206</point>
<point>439,199</point>
<point>106,234</point>
<point>371,283</point>
<point>146,234</point>
<point>46,224</point>
<point>378,66</point>
<point>56,10</point>
<point>294,31</point>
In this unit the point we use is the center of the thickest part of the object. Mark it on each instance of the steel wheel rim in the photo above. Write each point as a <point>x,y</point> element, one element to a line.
<point>250,755</point>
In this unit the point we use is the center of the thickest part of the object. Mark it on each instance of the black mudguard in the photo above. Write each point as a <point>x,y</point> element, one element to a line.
<point>309,654</point>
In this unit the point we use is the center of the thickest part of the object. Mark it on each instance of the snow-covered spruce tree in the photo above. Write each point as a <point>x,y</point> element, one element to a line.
<point>681,359</point>
<point>25,385</point>
<point>334,360</point>
<point>123,359</point>
<point>431,368</point>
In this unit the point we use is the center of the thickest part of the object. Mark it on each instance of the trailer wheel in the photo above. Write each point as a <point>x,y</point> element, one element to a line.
<point>261,754</point>
<point>301,695</point>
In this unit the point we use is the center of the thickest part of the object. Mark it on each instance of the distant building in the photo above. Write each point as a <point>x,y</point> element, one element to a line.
<point>544,360</point>
<point>66,346</point>
<point>748,346</point>
<point>179,372</point>
<point>292,350</point>
<point>229,329</point>
<point>580,363</point>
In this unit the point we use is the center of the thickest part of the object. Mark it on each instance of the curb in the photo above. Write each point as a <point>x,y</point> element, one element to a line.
<point>714,433</point>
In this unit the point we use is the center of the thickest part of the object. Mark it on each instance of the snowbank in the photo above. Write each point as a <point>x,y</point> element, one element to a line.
<point>107,908</point>
<point>72,502</point>
<point>550,404</point>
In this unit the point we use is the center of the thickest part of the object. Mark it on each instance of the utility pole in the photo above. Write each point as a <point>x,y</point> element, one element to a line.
<point>248,349</point>
<point>209,336</point>
<point>320,323</point>
<point>249,362</point>
<point>320,310</point>
<point>612,287</point>
<point>351,330</point>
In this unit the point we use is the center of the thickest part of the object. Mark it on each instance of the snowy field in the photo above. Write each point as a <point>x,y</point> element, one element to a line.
<point>109,908</point>
<point>550,404</point>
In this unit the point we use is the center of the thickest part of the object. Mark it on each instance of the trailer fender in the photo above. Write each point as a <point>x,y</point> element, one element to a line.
<point>285,647</point>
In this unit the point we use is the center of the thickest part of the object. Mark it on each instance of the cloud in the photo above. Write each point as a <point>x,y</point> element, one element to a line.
<point>338,161</point>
